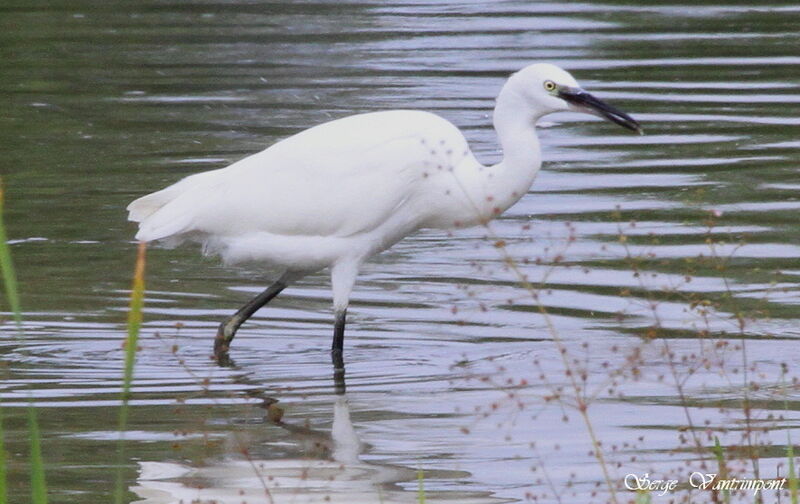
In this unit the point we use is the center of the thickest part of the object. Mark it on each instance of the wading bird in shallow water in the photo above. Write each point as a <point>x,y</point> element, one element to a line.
<point>338,193</point>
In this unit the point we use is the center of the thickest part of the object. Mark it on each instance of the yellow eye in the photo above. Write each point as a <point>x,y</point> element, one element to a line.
<point>549,85</point>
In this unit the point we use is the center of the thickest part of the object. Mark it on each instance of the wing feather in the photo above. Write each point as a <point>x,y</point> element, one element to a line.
<point>337,179</point>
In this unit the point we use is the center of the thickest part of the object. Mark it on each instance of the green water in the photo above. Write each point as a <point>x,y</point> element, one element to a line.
<point>105,102</point>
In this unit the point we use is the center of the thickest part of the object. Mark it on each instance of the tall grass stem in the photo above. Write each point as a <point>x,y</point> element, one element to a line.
<point>3,492</point>
<point>131,344</point>
<point>38,485</point>
<point>420,487</point>
<point>7,268</point>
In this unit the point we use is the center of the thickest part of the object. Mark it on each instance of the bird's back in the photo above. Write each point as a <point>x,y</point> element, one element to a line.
<point>339,179</point>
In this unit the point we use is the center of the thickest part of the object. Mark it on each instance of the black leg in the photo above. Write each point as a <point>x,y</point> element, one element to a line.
<point>339,386</point>
<point>338,340</point>
<point>227,329</point>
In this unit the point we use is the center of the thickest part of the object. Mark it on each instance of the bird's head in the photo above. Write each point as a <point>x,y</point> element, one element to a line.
<point>547,88</point>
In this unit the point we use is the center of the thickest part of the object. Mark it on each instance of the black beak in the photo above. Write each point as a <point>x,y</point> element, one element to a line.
<point>588,103</point>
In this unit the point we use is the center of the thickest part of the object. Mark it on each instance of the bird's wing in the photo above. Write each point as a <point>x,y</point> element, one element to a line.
<point>337,179</point>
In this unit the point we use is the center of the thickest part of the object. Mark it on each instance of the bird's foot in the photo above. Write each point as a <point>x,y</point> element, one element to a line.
<point>221,346</point>
<point>222,358</point>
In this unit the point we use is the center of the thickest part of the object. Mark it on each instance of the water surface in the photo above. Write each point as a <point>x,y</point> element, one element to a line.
<point>452,367</point>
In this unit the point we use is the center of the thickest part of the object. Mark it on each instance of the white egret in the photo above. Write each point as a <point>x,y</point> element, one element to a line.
<point>340,192</point>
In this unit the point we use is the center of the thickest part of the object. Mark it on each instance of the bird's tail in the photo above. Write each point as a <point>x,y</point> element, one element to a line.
<point>166,213</point>
<point>139,210</point>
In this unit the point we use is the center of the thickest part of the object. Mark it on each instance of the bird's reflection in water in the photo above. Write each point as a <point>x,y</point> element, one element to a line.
<point>330,470</point>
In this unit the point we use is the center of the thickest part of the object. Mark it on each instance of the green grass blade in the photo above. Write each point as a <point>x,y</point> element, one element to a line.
<point>7,268</point>
<point>131,344</point>
<point>421,487</point>
<point>643,497</point>
<point>38,485</point>
<point>134,320</point>
<point>3,492</point>
<point>792,471</point>
<point>719,454</point>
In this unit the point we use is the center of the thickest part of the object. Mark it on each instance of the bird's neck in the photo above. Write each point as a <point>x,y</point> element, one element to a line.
<point>515,124</point>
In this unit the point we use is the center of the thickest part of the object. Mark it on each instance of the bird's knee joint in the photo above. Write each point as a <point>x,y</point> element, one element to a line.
<point>226,330</point>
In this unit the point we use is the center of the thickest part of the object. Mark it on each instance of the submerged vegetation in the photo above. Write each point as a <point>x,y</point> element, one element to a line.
<point>37,472</point>
<point>722,393</point>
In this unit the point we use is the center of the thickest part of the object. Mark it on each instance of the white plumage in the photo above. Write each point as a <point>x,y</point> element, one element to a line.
<point>340,192</point>
<point>299,202</point>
